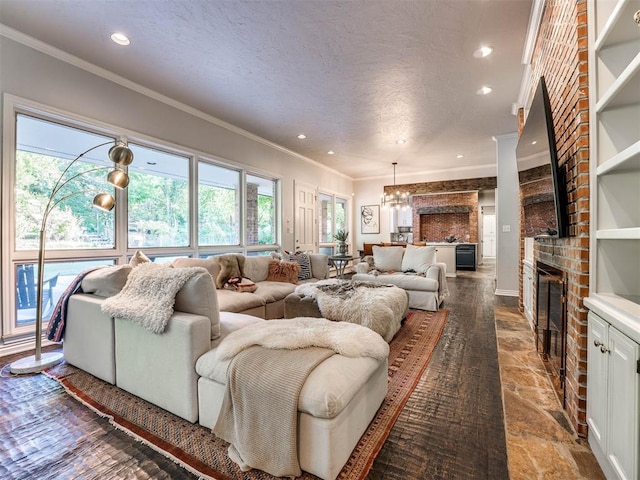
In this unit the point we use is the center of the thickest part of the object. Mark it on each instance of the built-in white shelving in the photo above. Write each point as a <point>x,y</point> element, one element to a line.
<point>614,293</point>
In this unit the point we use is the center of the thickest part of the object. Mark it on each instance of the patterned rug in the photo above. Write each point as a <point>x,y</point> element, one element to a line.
<point>199,451</point>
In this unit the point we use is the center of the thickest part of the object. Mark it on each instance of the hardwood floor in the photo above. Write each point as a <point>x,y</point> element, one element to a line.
<point>452,427</point>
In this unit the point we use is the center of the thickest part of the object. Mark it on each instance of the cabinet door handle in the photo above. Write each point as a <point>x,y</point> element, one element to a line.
<point>604,349</point>
<point>597,343</point>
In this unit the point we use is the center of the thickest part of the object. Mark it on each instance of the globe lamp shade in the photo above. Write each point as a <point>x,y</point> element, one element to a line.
<point>118,178</point>
<point>104,201</point>
<point>121,155</point>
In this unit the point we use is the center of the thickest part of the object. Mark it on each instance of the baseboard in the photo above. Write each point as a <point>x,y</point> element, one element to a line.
<point>506,293</point>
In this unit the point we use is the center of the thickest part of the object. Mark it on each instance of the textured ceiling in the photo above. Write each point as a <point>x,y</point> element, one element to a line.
<point>354,76</point>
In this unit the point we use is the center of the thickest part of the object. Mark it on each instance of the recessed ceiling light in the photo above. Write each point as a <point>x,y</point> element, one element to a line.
<point>401,141</point>
<point>331,152</point>
<point>534,142</point>
<point>484,91</point>
<point>483,52</point>
<point>302,136</point>
<point>120,38</point>
<point>459,155</point>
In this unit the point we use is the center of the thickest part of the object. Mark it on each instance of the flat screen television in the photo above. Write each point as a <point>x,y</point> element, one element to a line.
<point>542,181</point>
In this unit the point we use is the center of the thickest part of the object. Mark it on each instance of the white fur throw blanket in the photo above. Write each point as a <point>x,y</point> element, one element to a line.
<point>149,295</point>
<point>377,306</point>
<point>346,339</point>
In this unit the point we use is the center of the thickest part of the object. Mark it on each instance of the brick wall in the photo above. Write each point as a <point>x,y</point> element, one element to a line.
<point>434,227</point>
<point>560,56</point>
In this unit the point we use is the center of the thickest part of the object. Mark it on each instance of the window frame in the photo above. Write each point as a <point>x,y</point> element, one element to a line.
<point>347,221</point>
<point>120,253</point>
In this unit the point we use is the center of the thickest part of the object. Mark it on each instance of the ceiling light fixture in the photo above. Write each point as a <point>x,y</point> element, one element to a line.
<point>459,155</point>
<point>401,141</point>
<point>331,152</point>
<point>302,136</point>
<point>484,51</point>
<point>484,91</point>
<point>120,38</point>
<point>398,200</point>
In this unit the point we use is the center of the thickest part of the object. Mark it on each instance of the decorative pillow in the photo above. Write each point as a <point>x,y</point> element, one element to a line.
<point>211,264</point>
<point>238,284</point>
<point>107,281</point>
<point>283,272</point>
<point>229,267</point>
<point>418,259</point>
<point>302,259</point>
<point>388,259</point>
<point>139,258</point>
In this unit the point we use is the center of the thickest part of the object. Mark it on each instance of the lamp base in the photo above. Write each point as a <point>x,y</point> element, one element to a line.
<point>31,365</point>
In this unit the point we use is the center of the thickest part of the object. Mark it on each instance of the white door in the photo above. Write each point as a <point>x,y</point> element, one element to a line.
<point>305,217</point>
<point>489,235</point>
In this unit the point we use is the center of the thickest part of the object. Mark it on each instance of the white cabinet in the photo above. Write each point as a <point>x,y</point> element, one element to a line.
<point>446,253</point>
<point>614,123</point>
<point>527,290</point>
<point>613,399</point>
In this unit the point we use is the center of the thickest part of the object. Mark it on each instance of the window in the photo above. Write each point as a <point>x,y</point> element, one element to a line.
<point>261,211</point>
<point>332,216</point>
<point>43,146</point>
<point>158,196</point>
<point>218,205</point>
<point>57,277</point>
<point>237,210</point>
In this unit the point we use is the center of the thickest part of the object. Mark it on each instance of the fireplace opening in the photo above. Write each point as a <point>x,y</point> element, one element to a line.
<point>551,323</point>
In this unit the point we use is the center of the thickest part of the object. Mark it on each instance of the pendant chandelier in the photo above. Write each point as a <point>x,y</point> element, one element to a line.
<point>398,200</point>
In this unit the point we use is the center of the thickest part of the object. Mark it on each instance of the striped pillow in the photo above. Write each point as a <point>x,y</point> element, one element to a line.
<point>303,260</point>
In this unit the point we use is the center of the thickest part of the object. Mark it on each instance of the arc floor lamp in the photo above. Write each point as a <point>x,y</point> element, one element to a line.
<point>121,156</point>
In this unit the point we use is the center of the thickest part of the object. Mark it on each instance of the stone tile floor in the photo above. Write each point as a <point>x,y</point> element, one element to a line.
<point>541,443</point>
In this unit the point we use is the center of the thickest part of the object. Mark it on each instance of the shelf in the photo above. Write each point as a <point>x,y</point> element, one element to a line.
<point>625,90</point>
<point>628,159</point>
<point>619,234</point>
<point>620,26</point>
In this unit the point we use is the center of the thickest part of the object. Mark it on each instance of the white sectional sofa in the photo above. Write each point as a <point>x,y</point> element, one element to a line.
<point>413,268</point>
<point>173,370</point>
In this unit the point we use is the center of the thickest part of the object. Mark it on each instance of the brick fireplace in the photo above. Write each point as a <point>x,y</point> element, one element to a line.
<point>441,215</point>
<point>560,55</point>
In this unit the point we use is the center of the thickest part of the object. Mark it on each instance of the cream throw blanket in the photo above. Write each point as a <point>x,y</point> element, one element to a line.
<point>149,295</point>
<point>259,413</point>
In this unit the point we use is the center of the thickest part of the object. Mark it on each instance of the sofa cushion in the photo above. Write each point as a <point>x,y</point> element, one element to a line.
<point>328,389</point>
<point>274,291</point>
<point>230,322</point>
<point>388,258</point>
<point>211,264</point>
<point>198,296</point>
<point>257,268</point>
<point>402,280</point>
<point>230,301</point>
<point>106,282</point>
<point>319,265</point>
<point>283,271</point>
<point>418,259</point>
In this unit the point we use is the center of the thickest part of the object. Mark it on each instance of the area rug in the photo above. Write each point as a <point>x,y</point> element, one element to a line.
<point>199,451</point>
